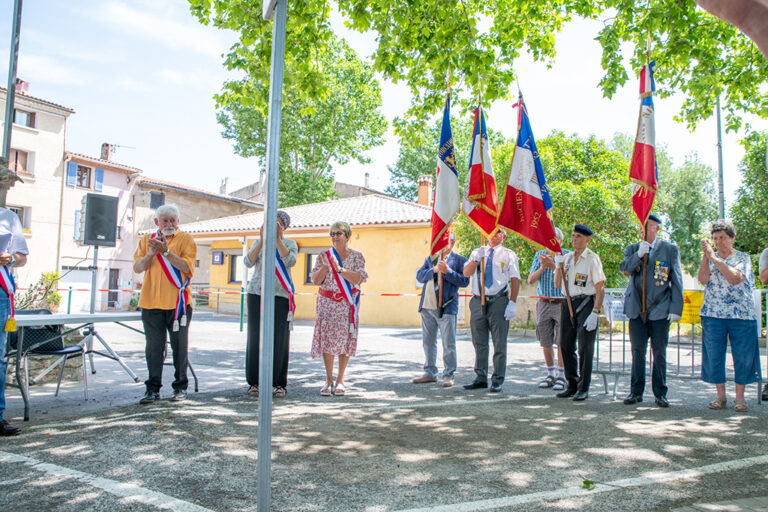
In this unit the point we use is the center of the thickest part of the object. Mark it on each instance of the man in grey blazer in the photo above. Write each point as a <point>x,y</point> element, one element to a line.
<point>664,304</point>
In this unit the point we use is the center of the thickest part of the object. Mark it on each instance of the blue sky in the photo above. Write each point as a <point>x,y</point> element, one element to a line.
<point>142,74</point>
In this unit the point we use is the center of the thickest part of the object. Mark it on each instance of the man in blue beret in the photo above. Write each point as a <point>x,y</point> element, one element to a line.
<point>581,274</point>
<point>663,305</point>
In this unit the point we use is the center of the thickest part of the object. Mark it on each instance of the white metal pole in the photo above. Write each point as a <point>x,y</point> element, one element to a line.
<point>10,94</point>
<point>268,257</point>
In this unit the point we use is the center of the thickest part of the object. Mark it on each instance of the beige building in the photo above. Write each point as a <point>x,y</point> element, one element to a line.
<point>393,236</point>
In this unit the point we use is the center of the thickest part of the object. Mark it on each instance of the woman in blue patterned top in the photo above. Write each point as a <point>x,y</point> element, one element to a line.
<point>728,312</point>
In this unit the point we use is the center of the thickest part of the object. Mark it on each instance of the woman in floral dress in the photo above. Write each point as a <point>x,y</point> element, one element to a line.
<point>335,324</point>
<point>728,313</point>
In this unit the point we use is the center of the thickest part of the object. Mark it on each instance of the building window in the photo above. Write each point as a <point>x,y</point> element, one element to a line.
<point>24,118</point>
<point>311,259</point>
<point>17,160</point>
<point>236,269</point>
<point>156,200</point>
<point>83,176</point>
<point>23,214</point>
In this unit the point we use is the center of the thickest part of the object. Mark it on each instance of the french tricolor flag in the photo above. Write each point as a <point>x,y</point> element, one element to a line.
<point>642,171</point>
<point>447,195</point>
<point>526,206</point>
<point>481,201</point>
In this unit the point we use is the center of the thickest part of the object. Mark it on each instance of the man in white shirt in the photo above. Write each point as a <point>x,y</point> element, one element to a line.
<point>13,253</point>
<point>501,286</point>
<point>585,281</point>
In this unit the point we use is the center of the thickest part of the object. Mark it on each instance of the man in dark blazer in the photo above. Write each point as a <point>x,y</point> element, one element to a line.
<point>664,304</point>
<point>434,316</point>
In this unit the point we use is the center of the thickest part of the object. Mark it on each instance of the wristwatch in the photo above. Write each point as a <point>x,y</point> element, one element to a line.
<point>167,252</point>
<point>596,311</point>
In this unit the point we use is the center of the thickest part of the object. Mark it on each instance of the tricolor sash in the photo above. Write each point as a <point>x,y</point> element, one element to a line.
<point>177,279</point>
<point>285,280</point>
<point>9,285</point>
<point>347,290</point>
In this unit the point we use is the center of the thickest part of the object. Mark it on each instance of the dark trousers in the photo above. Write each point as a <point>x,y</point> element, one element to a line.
<point>482,322</point>
<point>658,332</point>
<point>158,322</point>
<point>281,345</point>
<point>578,372</point>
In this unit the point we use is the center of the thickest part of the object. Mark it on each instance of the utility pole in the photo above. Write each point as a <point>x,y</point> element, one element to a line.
<point>9,178</point>
<point>720,185</point>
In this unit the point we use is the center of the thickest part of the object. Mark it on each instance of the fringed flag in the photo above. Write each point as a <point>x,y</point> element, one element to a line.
<point>481,201</point>
<point>447,195</point>
<point>526,205</point>
<point>643,172</point>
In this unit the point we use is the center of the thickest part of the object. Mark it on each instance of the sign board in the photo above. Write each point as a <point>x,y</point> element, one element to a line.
<point>268,8</point>
<point>614,308</point>
<point>217,258</point>
<point>692,301</point>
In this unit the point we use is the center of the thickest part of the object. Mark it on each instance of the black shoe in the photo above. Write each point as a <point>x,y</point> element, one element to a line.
<point>7,430</point>
<point>633,399</point>
<point>581,395</point>
<point>150,397</point>
<point>478,384</point>
<point>179,395</point>
<point>765,393</point>
<point>495,388</point>
<point>662,401</point>
<point>568,393</point>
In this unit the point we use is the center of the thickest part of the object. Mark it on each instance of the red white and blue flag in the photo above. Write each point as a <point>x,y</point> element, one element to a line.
<point>643,171</point>
<point>176,278</point>
<point>526,205</point>
<point>9,285</point>
<point>447,195</point>
<point>481,201</point>
<point>347,290</point>
<point>284,277</point>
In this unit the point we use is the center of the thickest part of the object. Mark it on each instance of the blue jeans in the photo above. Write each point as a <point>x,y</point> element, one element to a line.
<point>5,312</point>
<point>429,326</point>
<point>744,350</point>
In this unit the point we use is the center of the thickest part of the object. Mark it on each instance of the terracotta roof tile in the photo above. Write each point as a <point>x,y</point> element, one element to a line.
<point>23,94</point>
<point>357,211</point>
<point>106,163</point>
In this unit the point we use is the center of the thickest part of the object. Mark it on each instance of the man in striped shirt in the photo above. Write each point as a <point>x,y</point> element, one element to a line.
<point>548,315</point>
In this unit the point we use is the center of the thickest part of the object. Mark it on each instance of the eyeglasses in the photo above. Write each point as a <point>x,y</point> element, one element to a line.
<point>337,233</point>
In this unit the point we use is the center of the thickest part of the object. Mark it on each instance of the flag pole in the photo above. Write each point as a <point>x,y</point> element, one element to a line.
<point>440,257</point>
<point>644,312</point>
<point>482,169</point>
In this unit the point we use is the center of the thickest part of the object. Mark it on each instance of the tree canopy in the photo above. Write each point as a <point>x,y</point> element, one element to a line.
<point>749,210</point>
<point>478,41</point>
<point>315,133</point>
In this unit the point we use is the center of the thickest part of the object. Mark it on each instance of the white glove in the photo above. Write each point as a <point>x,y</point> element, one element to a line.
<point>559,259</point>
<point>673,317</point>
<point>511,310</point>
<point>479,254</point>
<point>591,323</point>
<point>643,249</point>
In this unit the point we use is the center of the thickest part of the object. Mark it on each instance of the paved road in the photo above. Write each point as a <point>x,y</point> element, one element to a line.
<point>389,445</point>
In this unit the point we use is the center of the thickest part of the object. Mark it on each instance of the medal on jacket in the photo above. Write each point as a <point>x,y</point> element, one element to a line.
<point>661,273</point>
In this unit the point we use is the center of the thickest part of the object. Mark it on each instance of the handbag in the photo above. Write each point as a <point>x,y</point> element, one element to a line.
<point>37,333</point>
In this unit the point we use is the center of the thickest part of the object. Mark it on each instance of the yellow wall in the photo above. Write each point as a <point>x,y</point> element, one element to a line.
<point>219,275</point>
<point>392,256</point>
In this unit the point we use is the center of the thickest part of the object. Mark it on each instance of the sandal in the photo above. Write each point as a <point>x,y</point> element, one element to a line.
<point>548,382</point>
<point>559,384</point>
<point>718,403</point>
<point>340,390</point>
<point>253,391</point>
<point>326,391</point>
<point>740,406</point>
<point>278,392</point>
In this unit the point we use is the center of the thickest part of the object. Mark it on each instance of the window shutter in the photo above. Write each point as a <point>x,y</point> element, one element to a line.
<point>78,215</point>
<point>71,174</point>
<point>99,182</point>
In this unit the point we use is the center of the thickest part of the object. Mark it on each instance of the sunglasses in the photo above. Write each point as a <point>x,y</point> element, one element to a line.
<point>337,233</point>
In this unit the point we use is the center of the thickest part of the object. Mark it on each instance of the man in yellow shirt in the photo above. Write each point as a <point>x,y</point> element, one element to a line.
<point>167,257</point>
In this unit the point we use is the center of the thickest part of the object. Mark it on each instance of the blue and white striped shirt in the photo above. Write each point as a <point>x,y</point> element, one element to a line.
<point>546,286</point>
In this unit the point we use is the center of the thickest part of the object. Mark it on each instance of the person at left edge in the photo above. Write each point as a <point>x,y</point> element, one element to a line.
<point>13,255</point>
<point>763,275</point>
<point>502,284</point>
<point>288,251</point>
<point>450,265</point>
<point>663,302</point>
<point>167,257</point>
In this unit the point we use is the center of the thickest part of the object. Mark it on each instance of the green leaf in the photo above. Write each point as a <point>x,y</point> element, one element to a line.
<point>588,485</point>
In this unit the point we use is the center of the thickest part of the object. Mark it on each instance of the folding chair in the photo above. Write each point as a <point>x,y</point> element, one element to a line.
<point>45,340</point>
